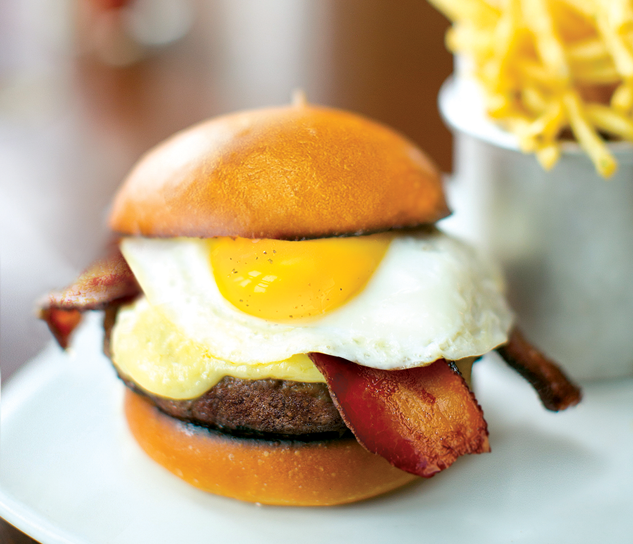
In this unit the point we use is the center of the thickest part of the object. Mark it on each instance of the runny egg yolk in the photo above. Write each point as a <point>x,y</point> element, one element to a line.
<point>285,281</point>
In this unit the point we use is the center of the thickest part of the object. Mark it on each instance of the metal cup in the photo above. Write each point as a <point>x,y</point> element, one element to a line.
<point>564,237</point>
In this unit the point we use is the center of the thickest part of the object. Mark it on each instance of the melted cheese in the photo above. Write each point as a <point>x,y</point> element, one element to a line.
<point>156,355</point>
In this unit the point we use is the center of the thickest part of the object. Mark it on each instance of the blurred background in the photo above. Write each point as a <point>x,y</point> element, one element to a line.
<point>86,86</point>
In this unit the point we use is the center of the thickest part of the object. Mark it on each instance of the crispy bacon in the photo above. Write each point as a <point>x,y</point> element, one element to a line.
<point>421,419</point>
<point>106,282</point>
<point>555,389</point>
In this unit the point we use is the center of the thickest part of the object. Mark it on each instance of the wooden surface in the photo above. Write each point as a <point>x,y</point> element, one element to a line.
<point>10,535</point>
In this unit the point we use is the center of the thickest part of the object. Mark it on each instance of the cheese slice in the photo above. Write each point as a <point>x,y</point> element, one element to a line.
<point>151,351</point>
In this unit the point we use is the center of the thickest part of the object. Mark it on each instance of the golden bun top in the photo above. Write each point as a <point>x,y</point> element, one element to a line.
<point>291,172</point>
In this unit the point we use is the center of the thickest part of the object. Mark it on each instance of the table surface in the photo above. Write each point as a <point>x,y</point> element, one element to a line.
<point>10,535</point>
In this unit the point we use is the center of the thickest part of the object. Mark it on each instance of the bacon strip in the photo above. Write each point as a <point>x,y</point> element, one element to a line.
<point>421,419</point>
<point>554,388</point>
<point>108,281</point>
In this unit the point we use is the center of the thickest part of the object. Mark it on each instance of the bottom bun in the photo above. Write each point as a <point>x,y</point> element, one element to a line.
<point>280,472</point>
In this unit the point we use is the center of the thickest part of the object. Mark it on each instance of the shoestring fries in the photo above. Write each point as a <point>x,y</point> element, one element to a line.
<point>550,68</point>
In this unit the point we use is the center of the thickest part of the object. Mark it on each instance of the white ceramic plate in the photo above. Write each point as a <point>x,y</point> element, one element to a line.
<point>70,472</point>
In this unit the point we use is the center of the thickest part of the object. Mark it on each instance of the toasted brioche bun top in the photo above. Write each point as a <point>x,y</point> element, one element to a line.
<point>287,173</point>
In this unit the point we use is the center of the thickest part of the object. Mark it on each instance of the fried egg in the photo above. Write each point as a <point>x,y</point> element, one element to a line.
<point>388,301</point>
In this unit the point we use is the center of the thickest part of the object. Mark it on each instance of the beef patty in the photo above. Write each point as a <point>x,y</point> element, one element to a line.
<point>266,408</point>
<point>262,408</point>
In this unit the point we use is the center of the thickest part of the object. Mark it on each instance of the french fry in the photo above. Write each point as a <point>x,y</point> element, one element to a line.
<point>533,72</point>
<point>592,49</point>
<point>550,123</point>
<point>538,18</point>
<point>622,98</point>
<point>596,74</point>
<point>610,121</point>
<point>519,125</point>
<point>619,15</point>
<point>548,155</point>
<point>533,99</point>
<point>505,37</point>
<point>616,45</point>
<point>587,137</point>
<point>466,37</point>
<point>538,136</point>
<point>499,105</point>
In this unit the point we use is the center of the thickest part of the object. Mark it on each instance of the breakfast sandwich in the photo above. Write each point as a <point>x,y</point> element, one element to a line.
<point>290,326</point>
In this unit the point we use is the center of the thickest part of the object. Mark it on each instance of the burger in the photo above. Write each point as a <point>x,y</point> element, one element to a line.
<point>290,326</point>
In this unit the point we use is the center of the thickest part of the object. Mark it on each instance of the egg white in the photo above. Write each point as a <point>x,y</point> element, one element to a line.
<point>431,297</point>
